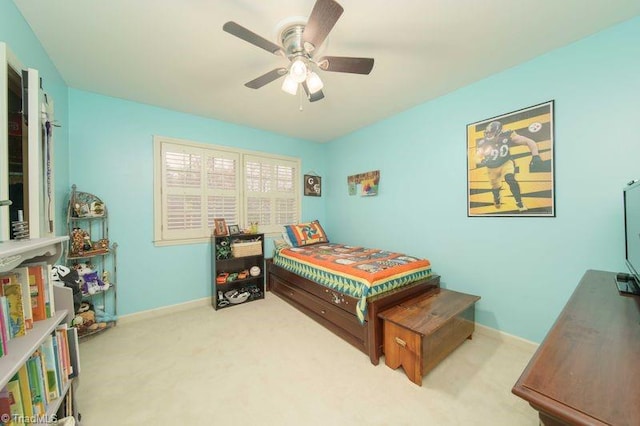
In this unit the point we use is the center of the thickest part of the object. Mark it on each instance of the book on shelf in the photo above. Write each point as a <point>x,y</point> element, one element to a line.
<point>13,293</point>
<point>36,285</point>
<point>68,411</point>
<point>4,324</point>
<point>50,306</point>
<point>36,383</point>
<point>5,280</point>
<point>57,363</point>
<point>15,398</point>
<point>63,344</point>
<point>25,390</point>
<point>5,403</point>
<point>50,370</point>
<point>22,274</point>
<point>74,351</point>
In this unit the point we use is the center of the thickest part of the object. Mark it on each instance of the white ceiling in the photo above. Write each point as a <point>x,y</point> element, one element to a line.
<point>174,54</point>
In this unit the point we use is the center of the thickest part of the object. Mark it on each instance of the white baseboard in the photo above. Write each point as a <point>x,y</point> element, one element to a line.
<point>505,337</point>
<point>165,310</point>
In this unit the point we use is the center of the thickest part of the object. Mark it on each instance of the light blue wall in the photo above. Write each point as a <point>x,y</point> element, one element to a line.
<point>524,269</point>
<point>112,157</point>
<point>19,38</point>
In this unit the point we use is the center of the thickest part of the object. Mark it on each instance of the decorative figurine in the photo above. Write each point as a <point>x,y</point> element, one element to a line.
<point>86,246</point>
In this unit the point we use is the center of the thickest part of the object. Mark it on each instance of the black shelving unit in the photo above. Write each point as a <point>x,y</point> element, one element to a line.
<point>231,256</point>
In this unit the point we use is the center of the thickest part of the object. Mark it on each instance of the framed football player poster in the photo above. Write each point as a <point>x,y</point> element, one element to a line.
<point>312,185</point>
<point>510,164</point>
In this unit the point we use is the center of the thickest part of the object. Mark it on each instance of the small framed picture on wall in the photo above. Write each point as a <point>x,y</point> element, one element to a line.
<point>312,186</point>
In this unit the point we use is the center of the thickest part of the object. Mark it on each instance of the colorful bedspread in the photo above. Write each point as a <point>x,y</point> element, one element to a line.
<point>356,271</point>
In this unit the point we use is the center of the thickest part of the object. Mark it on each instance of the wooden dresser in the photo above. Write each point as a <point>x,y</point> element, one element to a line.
<point>587,370</point>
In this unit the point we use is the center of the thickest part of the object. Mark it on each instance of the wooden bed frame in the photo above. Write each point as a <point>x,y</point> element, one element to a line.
<point>337,311</point>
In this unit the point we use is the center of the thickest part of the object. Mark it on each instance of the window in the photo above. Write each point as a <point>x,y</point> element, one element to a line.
<point>196,183</point>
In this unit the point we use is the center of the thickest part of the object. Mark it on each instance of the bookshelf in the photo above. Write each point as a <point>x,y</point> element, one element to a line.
<point>19,349</point>
<point>240,259</point>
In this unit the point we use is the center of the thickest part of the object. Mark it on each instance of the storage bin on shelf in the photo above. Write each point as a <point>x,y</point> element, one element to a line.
<point>246,248</point>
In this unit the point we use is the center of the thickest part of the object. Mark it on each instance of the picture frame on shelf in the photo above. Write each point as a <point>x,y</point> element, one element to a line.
<point>219,227</point>
<point>234,229</point>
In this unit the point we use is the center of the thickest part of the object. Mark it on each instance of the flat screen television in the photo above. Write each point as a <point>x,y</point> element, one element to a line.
<point>630,283</point>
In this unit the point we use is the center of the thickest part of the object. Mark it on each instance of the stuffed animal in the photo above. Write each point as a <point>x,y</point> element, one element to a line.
<point>90,283</point>
<point>68,278</point>
<point>102,316</point>
<point>85,320</point>
<point>78,237</point>
<point>93,284</point>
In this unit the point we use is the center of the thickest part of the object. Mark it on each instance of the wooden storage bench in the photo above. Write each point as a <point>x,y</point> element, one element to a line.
<point>422,331</point>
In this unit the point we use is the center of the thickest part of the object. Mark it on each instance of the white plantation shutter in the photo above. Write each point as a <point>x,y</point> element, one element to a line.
<point>271,192</point>
<point>286,208</point>
<point>257,185</point>
<point>197,183</point>
<point>223,186</point>
<point>286,211</point>
<point>182,189</point>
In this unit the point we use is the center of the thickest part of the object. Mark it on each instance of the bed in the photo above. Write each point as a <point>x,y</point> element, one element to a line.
<point>344,288</point>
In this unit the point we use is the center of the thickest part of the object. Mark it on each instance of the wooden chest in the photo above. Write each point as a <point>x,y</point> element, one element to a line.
<point>421,332</point>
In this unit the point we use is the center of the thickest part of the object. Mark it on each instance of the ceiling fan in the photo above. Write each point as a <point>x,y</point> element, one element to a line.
<point>298,43</point>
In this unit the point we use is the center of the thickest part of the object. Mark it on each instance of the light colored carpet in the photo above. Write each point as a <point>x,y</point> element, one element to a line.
<point>265,363</point>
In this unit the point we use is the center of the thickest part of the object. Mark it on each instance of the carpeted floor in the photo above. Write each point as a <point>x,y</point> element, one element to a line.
<point>264,363</point>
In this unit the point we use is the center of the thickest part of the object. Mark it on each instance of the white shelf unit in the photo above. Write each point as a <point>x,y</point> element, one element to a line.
<point>12,254</point>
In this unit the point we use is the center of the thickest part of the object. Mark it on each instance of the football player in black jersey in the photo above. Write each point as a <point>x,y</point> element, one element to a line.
<point>494,152</point>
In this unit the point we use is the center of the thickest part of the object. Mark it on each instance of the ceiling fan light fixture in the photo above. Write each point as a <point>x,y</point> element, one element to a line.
<point>301,41</point>
<point>314,83</point>
<point>289,85</point>
<point>298,71</point>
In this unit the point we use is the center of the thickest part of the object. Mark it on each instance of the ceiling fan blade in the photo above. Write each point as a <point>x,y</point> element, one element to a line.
<point>266,78</point>
<point>323,17</point>
<point>346,64</point>
<point>316,96</point>
<point>251,37</point>
<point>312,97</point>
